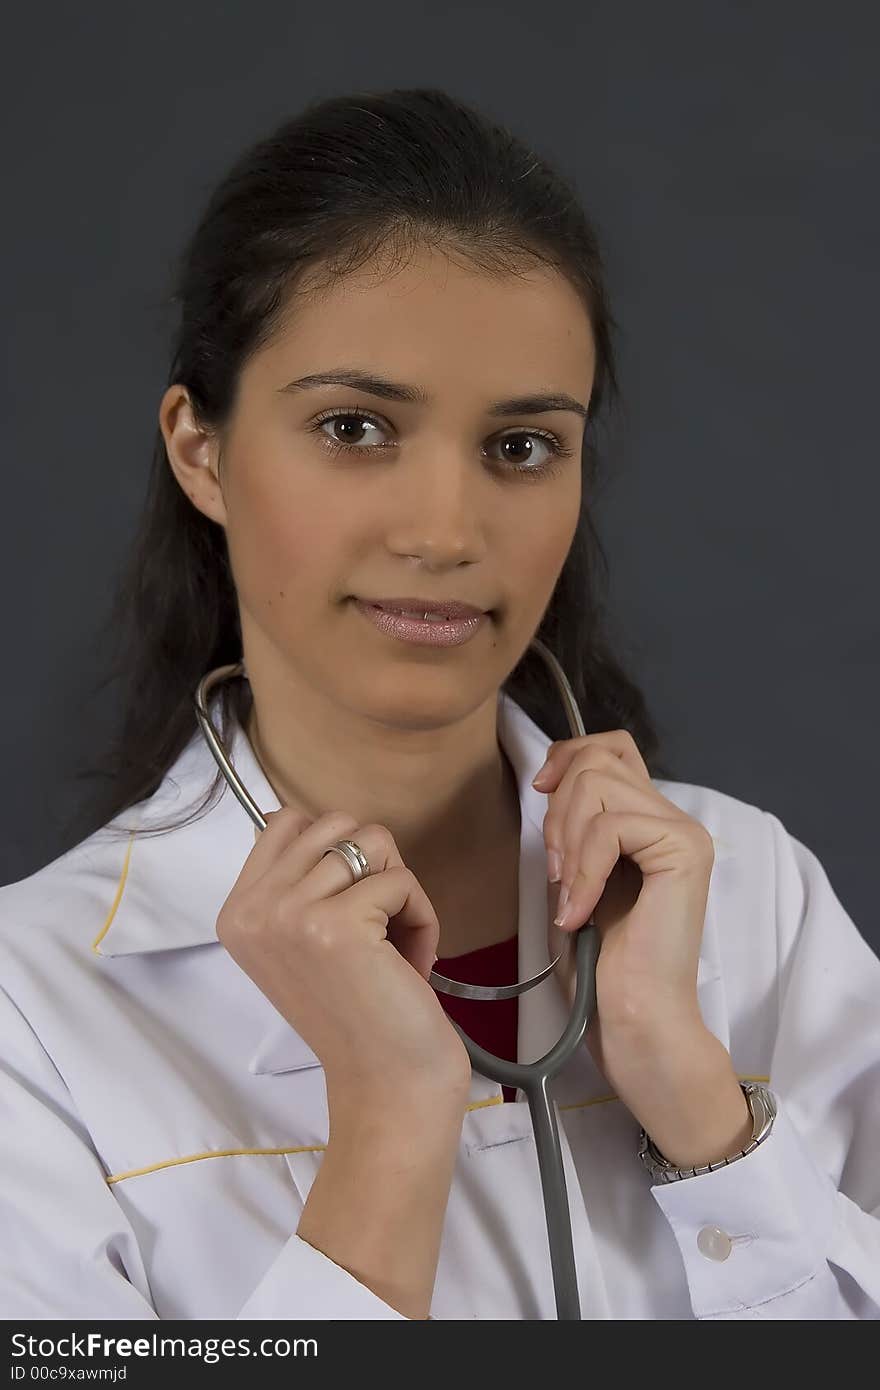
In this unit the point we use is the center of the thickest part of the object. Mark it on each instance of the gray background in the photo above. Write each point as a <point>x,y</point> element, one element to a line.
<point>729,157</point>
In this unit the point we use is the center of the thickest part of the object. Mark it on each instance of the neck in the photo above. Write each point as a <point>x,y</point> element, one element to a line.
<point>447,793</point>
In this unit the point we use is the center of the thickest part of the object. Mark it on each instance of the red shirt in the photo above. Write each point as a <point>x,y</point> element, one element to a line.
<point>490,1022</point>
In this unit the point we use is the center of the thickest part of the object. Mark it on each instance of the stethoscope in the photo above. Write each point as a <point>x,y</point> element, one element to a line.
<point>530,1077</point>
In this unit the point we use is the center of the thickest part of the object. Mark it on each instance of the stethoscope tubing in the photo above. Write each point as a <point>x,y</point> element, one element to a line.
<point>532,1078</point>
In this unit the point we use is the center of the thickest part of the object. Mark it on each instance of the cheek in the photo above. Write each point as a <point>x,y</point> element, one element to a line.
<point>282,544</point>
<point>538,539</point>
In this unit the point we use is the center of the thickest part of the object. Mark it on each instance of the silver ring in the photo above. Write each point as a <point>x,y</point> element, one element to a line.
<point>354,857</point>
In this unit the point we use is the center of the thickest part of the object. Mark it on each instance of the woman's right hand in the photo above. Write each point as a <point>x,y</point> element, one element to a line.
<point>326,952</point>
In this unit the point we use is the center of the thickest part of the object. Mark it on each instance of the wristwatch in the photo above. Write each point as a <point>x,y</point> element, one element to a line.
<point>761,1103</point>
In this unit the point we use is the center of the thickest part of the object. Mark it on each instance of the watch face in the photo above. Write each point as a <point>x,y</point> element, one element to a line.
<point>762,1104</point>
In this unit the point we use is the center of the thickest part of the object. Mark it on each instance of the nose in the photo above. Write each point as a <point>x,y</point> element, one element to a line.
<point>439,508</point>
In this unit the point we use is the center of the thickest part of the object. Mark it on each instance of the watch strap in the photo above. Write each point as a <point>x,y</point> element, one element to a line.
<point>761,1103</point>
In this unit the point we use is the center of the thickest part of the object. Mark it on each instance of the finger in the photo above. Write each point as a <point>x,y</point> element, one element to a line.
<point>655,844</point>
<point>389,904</point>
<point>595,757</point>
<point>412,927</point>
<point>307,876</point>
<point>590,793</point>
<point>619,742</point>
<point>284,828</point>
<point>560,825</point>
<point>411,924</point>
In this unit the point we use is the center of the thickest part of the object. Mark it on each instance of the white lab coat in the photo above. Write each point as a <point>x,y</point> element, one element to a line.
<point>162,1123</point>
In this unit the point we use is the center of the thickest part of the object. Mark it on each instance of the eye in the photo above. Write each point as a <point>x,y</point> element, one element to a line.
<point>352,424</point>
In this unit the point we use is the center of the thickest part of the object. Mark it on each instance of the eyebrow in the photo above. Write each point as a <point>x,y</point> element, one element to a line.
<point>534,404</point>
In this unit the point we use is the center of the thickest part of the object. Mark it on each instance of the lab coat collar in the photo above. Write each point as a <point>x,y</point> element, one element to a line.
<point>173,886</point>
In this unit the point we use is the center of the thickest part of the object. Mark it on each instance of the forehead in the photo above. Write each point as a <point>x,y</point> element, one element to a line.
<point>439,323</point>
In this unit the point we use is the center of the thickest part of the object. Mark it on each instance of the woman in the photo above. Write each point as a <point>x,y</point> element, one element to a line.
<point>228,1088</point>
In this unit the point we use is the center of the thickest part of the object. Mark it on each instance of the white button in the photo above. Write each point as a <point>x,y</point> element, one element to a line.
<point>714,1243</point>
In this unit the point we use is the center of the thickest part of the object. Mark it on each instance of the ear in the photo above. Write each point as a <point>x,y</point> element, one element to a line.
<point>192,453</point>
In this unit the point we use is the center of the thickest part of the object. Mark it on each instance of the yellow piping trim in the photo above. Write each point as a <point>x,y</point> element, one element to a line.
<point>211,1153</point>
<point>603,1100</point>
<point>120,888</point>
<point>581,1104</point>
<point>314,1148</point>
<point>320,1148</point>
<point>227,1153</point>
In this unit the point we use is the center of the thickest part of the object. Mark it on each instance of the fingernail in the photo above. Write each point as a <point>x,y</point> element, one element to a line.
<point>554,860</point>
<point>563,913</point>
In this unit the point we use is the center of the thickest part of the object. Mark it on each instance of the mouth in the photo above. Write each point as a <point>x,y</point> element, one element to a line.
<point>411,625</point>
<point>426,610</point>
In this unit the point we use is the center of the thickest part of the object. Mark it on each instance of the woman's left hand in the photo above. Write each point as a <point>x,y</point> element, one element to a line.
<point>640,867</point>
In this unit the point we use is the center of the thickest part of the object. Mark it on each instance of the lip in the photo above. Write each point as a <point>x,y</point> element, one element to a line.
<point>449,633</point>
<point>451,607</point>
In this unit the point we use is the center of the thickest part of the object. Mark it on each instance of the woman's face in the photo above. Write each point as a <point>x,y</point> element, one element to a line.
<point>442,498</point>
